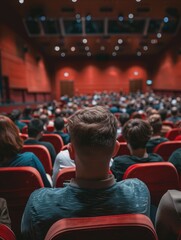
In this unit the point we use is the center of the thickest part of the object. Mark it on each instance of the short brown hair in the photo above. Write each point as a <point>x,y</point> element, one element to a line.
<point>93,128</point>
<point>10,141</point>
<point>137,132</point>
<point>155,122</point>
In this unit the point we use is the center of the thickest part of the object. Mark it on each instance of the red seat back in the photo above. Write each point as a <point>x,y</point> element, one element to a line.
<point>115,227</point>
<point>168,123</point>
<point>24,129</point>
<point>42,153</point>
<point>50,128</point>
<point>25,121</point>
<point>123,149</point>
<point>165,149</point>
<point>120,138</point>
<point>64,176</point>
<point>24,136</point>
<point>173,133</point>
<point>54,139</point>
<point>17,183</point>
<point>159,177</point>
<point>6,233</point>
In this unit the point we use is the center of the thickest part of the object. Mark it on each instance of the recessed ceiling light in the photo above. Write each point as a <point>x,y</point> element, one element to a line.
<point>159,35</point>
<point>120,18</point>
<point>130,15</point>
<point>166,19</point>
<point>154,41</point>
<point>87,48</point>
<point>145,48</point>
<point>88,17</point>
<point>42,18</point>
<point>136,73</point>
<point>21,1</point>
<point>114,54</point>
<point>77,16</point>
<point>138,0</point>
<point>89,54</point>
<point>74,0</point>
<point>84,40</point>
<point>62,54</point>
<point>66,74</point>
<point>72,49</point>
<point>138,53</point>
<point>120,41</point>
<point>57,48</point>
<point>102,48</point>
<point>116,48</point>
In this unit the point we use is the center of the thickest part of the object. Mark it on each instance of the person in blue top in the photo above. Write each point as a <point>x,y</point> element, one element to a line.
<point>136,132</point>
<point>15,117</point>
<point>59,126</point>
<point>10,149</point>
<point>93,192</point>
<point>35,130</point>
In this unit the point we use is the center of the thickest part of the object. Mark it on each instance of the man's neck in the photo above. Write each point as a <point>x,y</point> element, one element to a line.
<point>141,153</point>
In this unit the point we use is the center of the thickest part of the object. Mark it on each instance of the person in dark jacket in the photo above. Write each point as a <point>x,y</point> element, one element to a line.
<point>35,130</point>
<point>136,132</point>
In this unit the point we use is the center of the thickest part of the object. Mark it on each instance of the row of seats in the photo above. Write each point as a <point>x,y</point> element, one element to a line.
<point>20,182</point>
<point>53,138</point>
<point>125,226</point>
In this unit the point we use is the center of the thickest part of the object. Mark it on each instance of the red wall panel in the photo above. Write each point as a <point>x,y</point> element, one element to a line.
<point>20,64</point>
<point>94,76</point>
<point>168,75</point>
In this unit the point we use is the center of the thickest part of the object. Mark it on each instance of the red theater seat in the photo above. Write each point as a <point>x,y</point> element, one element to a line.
<point>54,139</point>
<point>42,153</point>
<point>165,149</point>
<point>24,136</point>
<point>120,138</point>
<point>115,227</point>
<point>17,183</point>
<point>64,176</point>
<point>173,133</point>
<point>50,128</point>
<point>6,233</point>
<point>159,177</point>
<point>123,149</point>
<point>168,123</point>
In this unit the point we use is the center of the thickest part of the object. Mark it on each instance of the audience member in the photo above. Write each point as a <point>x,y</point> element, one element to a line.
<point>10,148</point>
<point>35,130</point>
<point>136,132</point>
<point>65,159</point>
<point>93,192</point>
<point>156,138</point>
<point>15,116</point>
<point>27,113</point>
<point>123,118</point>
<point>174,115</point>
<point>168,217</point>
<point>59,126</point>
<point>4,214</point>
<point>175,159</point>
<point>165,128</point>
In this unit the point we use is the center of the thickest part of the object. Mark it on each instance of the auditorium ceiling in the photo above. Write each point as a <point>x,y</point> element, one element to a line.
<point>99,28</point>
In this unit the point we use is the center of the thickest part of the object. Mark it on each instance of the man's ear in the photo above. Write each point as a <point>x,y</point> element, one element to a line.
<point>116,148</point>
<point>71,151</point>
